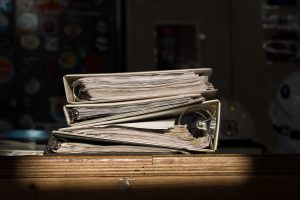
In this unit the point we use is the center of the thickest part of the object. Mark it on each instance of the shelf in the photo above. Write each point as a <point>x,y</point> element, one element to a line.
<point>206,175</point>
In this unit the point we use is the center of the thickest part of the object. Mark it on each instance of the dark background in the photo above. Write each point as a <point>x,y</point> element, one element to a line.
<point>252,46</point>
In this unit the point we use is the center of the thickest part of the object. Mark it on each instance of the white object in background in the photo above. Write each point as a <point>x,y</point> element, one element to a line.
<point>284,113</point>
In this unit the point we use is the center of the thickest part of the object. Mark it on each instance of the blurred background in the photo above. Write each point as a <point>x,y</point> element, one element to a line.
<point>252,46</point>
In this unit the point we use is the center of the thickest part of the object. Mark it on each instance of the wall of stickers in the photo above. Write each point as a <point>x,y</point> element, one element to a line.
<point>281,25</point>
<point>42,40</point>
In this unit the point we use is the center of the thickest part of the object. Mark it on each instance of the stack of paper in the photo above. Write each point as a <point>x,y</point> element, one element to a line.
<point>142,112</point>
<point>134,87</point>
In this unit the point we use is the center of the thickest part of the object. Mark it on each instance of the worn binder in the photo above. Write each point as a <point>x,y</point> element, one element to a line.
<point>186,133</point>
<point>74,89</point>
<point>84,114</point>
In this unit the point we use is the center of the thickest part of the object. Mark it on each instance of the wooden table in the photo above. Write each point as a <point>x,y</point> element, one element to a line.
<point>150,177</point>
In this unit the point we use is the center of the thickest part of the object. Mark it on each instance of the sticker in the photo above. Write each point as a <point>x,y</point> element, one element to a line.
<point>93,62</point>
<point>83,6</point>
<point>72,30</point>
<point>68,60</point>
<point>6,6</point>
<point>285,91</point>
<point>32,86</point>
<point>27,22</point>
<point>102,27</point>
<point>4,23</point>
<point>49,25</point>
<point>30,59</point>
<point>101,43</point>
<point>51,43</point>
<point>56,105</point>
<point>6,70</point>
<point>30,41</point>
<point>90,7</point>
<point>5,46</point>
<point>25,5</point>
<point>53,6</point>
<point>73,16</point>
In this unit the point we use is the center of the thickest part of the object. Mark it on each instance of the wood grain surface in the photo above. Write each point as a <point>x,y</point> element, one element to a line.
<point>207,176</point>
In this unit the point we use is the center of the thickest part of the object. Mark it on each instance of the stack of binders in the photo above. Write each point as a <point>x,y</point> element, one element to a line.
<point>154,112</point>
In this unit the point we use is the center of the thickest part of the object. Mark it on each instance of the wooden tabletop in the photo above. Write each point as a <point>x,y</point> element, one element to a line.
<point>207,176</point>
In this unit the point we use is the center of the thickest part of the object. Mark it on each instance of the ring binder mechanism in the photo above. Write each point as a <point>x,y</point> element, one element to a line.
<point>80,93</point>
<point>139,113</point>
<point>200,121</point>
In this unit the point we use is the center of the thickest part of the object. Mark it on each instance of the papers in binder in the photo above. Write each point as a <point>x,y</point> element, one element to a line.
<point>194,130</point>
<point>97,113</point>
<point>84,148</point>
<point>134,87</point>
